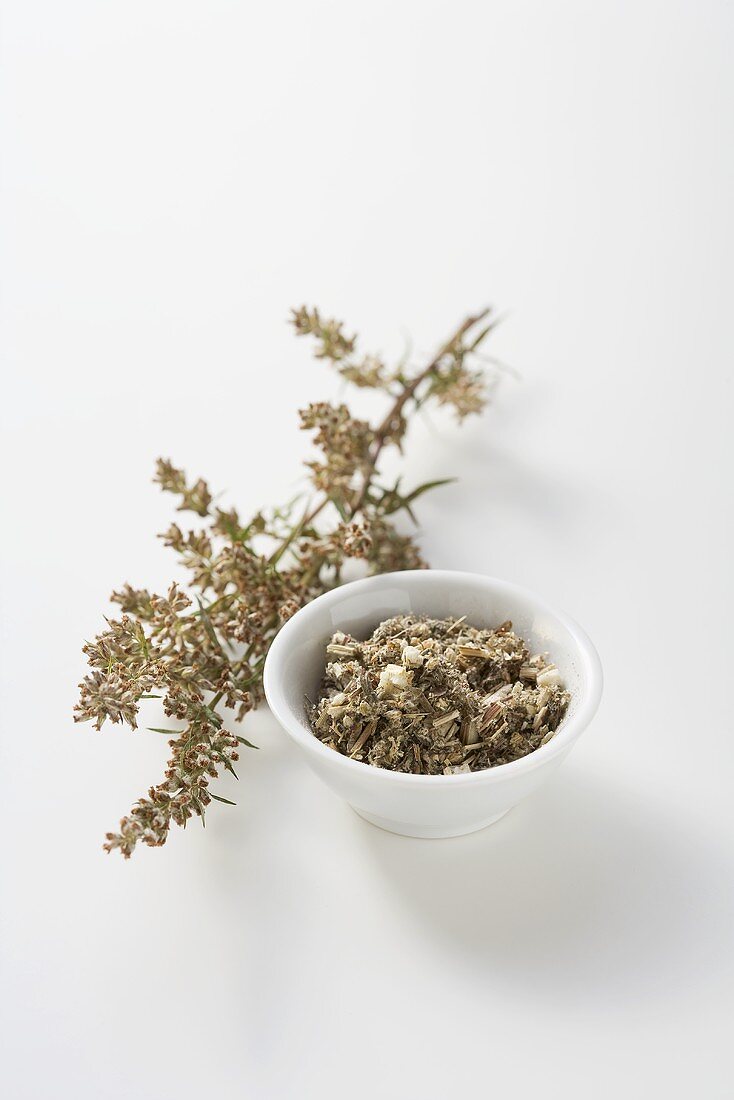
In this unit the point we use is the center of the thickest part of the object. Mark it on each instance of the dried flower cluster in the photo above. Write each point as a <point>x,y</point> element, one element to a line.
<point>203,651</point>
<point>436,696</point>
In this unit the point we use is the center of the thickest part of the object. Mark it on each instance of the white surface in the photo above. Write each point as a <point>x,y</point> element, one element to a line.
<point>175,177</point>
<point>429,806</point>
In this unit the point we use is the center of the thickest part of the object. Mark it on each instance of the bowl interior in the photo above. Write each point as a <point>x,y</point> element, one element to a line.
<point>297,657</point>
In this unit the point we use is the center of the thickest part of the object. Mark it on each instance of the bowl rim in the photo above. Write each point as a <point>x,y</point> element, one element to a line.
<point>568,732</point>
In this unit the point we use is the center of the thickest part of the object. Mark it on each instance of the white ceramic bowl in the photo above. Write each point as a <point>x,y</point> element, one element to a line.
<point>428,805</point>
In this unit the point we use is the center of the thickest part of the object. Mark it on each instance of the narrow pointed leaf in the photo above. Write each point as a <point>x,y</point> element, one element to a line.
<point>340,508</point>
<point>485,332</point>
<point>208,626</point>
<point>218,798</point>
<point>425,488</point>
<point>212,715</point>
<point>244,741</point>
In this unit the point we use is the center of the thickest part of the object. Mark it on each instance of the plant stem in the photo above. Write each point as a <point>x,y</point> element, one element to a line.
<point>306,519</point>
<point>381,436</point>
<point>382,432</point>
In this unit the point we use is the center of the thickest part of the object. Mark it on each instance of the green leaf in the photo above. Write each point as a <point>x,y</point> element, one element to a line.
<point>229,768</point>
<point>392,501</point>
<point>485,332</point>
<point>150,696</point>
<point>244,741</point>
<point>212,715</point>
<point>425,488</point>
<point>157,729</point>
<point>209,627</point>
<point>219,798</point>
<point>200,810</point>
<point>338,504</point>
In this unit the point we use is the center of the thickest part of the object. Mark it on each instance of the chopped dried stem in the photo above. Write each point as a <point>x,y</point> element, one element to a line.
<point>436,696</point>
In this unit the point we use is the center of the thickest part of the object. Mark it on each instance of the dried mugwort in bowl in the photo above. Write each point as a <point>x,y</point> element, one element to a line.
<point>436,696</point>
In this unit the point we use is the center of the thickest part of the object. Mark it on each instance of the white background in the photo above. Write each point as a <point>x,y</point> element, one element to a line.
<point>176,176</point>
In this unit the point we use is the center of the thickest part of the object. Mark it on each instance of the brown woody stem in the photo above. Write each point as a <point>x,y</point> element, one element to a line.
<point>382,432</point>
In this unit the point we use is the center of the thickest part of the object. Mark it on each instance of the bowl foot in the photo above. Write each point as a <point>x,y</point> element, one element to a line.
<point>424,832</point>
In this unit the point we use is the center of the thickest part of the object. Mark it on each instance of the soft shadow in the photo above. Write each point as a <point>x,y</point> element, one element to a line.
<point>583,888</point>
<point>516,487</point>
